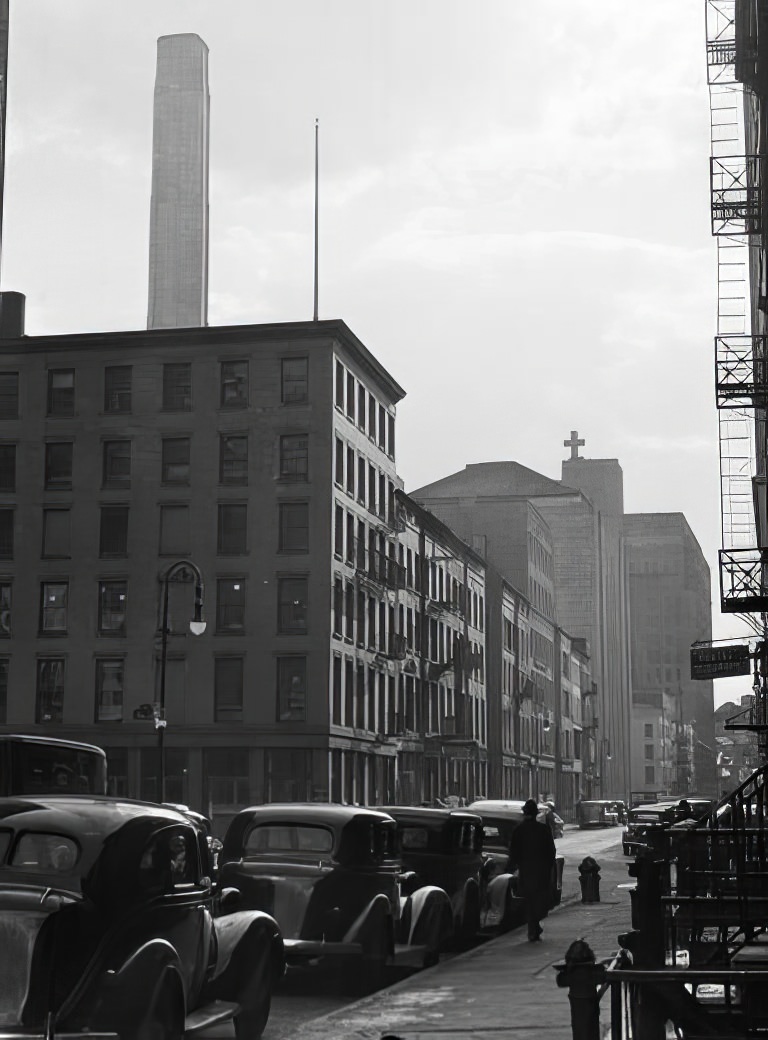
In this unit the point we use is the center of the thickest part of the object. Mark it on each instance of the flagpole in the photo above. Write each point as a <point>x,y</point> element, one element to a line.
<point>317,124</point>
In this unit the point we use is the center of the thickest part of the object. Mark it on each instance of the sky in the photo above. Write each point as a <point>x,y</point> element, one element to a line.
<point>513,211</point>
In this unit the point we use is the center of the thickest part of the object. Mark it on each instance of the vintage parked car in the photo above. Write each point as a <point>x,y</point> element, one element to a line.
<point>546,813</point>
<point>645,818</point>
<point>331,876</point>
<point>599,812</point>
<point>106,926</point>
<point>502,908</point>
<point>444,847</point>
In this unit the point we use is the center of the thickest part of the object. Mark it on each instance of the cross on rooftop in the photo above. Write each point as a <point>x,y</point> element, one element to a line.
<point>574,444</point>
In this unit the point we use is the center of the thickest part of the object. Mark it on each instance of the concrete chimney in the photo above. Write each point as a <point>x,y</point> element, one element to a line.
<point>178,230</point>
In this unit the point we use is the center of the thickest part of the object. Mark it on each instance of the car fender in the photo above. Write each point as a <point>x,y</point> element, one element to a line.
<point>498,893</point>
<point>459,897</point>
<point>109,997</point>
<point>377,909</point>
<point>250,946</point>
<point>430,916</point>
<point>247,929</point>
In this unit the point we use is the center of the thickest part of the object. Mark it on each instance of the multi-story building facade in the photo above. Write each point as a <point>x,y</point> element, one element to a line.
<point>264,455</point>
<point>522,514</point>
<point>669,589</point>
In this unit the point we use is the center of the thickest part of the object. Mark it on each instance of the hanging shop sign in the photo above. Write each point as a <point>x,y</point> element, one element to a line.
<point>719,662</point>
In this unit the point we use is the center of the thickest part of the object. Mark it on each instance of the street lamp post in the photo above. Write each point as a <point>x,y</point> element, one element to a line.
<point>178,571</point>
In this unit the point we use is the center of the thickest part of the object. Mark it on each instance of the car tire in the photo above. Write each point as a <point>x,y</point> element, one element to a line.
<point>252,1020</point>
<point>626,849</point>
<point>369,972</point>
<point>469,925</point>
<point>165,1021</point>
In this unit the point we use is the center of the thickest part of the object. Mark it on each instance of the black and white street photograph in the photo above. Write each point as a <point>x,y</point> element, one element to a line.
<point>383,519</point>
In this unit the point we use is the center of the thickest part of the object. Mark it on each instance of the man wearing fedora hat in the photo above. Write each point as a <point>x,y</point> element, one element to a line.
<point>532,852</point>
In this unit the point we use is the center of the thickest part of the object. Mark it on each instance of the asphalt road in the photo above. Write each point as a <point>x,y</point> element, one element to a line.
<point>308,995</point>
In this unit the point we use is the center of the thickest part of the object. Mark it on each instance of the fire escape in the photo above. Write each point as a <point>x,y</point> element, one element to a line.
<point>738,175</point>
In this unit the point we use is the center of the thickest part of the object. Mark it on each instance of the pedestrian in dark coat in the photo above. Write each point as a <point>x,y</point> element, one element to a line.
<point>532,852</point>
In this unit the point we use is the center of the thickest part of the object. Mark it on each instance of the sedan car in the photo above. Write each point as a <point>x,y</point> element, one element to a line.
<point>546,813</point>
<point>502,907</point>
<point>106,926</point>
<point>331,876</point>
<point>444,847</point>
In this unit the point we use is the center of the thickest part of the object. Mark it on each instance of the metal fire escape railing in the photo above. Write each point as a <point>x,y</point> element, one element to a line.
<point>737,205</point>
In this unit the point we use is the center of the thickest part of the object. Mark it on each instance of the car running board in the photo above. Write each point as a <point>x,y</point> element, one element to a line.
<point>210,1015</point>
<point>408,955</point>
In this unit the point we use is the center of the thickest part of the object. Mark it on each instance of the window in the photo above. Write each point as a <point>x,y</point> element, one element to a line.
<point>175,460</point>
<point>294,527</point>
<point>6,534</point>
<point>49,702</point>
<point>53,607</point>
<point>292,605</point>
<point>117,389</point>
<point>233,459</point>
<point>177,387</point>
<point>58,465</point>
<point>350,471</point>
<point>338,531</point>
<point>294,380</point>
<point>109,690</point>
<point>5,608</point>
<point>371,415</point>
<point>649,752</point>
<point>234,384</point>
<point>9,395</point>
<point>232,530</point>
<point>391,436</point>
<point>113,532</point>
<point>351,396</point>
<point>362,396</point>
<point>294,456</point>
<point>4,662</point>
<point>113,597</point>
<point>382,427</point>
<point>175,535</point>
<point>361,470</point>
<point>61,391</point>
<point>228,689</point>
<point>7,467</point>
<point>291,689</point>
<point>338,474</point>
<point>117,464</point>
<point>230,605</point>
<point>649,774</point>
<point>56,533</point>
<point>339,397</point>
<point>648,729</point>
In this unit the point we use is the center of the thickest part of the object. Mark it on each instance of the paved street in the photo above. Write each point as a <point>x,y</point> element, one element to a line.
<point>499,989</point>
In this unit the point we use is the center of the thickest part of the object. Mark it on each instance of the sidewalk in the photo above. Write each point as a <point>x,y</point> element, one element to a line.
<point>504,990</point>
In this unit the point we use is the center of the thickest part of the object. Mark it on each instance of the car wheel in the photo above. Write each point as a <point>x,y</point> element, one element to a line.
<point>626,849</point>
<point>165,1020</point>
<point>252,1020</point>
<point>469,925</point>
<point>369,972</point>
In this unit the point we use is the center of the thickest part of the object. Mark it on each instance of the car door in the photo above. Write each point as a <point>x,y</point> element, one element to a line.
<point>177,905</point>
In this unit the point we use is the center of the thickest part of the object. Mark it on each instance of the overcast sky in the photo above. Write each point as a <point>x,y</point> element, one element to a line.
<point>514,210</point>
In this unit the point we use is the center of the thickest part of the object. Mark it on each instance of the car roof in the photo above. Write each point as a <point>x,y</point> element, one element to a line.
<point>100,814</point>
<point>311,812</point>
<point>420,812</point>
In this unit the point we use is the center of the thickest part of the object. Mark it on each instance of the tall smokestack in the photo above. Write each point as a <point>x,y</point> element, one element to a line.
<point>178,230</point>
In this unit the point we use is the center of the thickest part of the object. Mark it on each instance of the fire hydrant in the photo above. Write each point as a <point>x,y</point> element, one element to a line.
<point>583,978</point>
<point>589,879</point>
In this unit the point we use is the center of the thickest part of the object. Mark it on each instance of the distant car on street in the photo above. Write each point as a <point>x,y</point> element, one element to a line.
<point>644,819</point>
<point>502,908</point>
<point>444,847</point>
<point>331,876</point>
<point>107,926</point>
<point>598,812</point>
<point>546,813</point>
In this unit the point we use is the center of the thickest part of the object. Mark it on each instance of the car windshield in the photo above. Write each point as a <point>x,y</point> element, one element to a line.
<point>45,853</point>
<point>281,837</point>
